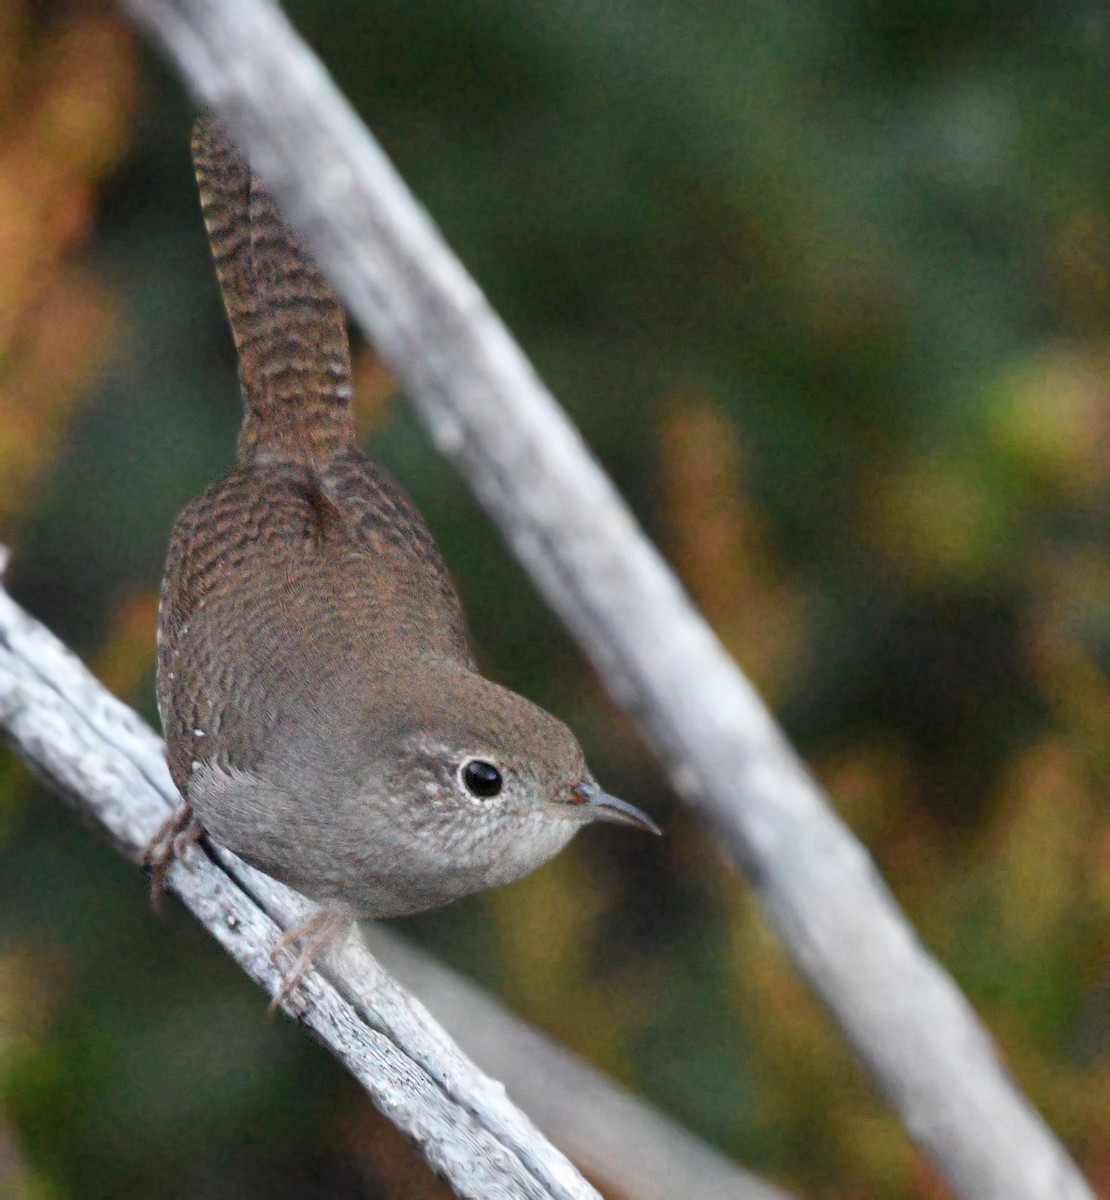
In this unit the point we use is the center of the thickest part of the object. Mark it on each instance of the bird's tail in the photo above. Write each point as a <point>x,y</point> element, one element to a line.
<point>288,325</point>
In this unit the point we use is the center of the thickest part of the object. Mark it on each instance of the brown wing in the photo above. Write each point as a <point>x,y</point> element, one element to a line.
<point>296,586</point>
<point>288,605</point>
<point>390,528</point>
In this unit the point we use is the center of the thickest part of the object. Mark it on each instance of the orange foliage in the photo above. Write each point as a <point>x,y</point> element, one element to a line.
<point>64,102</point>
<point>374,388</point>
<point>1019,913</point>
<point>127,657</point>
<point>718,544</point>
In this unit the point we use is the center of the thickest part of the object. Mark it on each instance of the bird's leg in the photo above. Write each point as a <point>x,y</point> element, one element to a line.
<point>171,841</point>
<point>320,933</point>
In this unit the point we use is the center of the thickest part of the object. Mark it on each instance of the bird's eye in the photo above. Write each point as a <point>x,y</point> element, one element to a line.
<point>481,778</point>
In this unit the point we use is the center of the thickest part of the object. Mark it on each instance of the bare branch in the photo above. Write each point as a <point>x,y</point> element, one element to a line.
<point>111,766</point>
<point>642,1156</point>
<point>489,413</point>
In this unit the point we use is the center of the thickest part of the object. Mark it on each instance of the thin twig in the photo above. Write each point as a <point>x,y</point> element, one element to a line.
<point>487,411</point>
<point>111,766</point>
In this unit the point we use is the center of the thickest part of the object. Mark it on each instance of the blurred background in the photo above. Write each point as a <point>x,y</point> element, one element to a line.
<point>826,285</point>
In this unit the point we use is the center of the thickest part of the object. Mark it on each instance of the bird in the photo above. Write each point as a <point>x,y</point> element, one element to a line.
<point>324,715</point>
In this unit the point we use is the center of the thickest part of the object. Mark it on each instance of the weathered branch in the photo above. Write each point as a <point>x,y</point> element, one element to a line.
<point>111,766</point>
<point>643,1156</point>
<point>489,413</point>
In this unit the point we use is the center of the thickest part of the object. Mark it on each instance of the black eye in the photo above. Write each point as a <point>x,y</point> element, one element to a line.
<point>482,778</point>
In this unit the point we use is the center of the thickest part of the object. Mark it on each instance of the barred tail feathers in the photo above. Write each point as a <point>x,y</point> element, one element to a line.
<point>288,325</point>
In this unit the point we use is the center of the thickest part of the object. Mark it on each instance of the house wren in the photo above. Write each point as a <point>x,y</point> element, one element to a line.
<point>324,715</point>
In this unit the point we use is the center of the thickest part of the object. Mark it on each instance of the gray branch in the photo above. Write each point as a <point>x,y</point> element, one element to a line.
<point>642,1155</point>
<point>488,412</point>
<point>101,757</point>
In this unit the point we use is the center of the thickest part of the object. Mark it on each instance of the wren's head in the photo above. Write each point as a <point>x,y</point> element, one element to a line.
<point>484,787</point>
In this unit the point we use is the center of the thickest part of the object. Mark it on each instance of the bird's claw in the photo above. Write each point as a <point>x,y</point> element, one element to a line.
<point>178,833</point>
<point>316,936</point>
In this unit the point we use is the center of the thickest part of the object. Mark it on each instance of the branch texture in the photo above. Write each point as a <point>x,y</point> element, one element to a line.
<point>487,411</point>
<point>640,1155</point>
<point>110,765</point>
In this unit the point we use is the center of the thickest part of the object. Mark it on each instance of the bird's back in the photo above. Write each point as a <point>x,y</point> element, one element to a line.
<point>296,585</point>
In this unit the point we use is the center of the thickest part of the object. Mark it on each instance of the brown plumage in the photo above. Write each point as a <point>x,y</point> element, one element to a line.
<point>321,706</point>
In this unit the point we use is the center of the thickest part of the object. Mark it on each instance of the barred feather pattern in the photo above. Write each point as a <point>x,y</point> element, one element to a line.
<point>297,586</point>
<point>288,325</point>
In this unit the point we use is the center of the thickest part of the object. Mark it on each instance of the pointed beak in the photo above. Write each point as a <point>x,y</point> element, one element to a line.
<point>603,807</point>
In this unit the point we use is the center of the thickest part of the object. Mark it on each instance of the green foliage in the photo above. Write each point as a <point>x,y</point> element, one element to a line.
<point>826,288</point>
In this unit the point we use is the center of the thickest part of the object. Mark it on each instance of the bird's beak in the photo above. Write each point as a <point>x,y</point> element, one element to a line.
<point>603,807</point>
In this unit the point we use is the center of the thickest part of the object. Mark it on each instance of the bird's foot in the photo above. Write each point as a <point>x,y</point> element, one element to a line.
<point>170,842</point>
<point>320,933</point>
